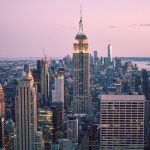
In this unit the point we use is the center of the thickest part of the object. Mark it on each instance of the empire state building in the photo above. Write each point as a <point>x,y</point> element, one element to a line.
<point>81,73</point>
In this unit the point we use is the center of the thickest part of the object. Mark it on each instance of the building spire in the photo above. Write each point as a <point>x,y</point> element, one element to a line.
<point>80,22</point>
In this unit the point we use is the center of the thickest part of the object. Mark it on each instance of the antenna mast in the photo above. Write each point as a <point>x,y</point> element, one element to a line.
<point>44,54</point>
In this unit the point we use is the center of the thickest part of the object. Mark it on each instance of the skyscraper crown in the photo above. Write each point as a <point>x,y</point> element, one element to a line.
<point>80,35</point>
<point>81,42</point>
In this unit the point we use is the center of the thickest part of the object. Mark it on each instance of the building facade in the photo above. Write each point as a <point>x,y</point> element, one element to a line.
<point>72,129</point>
<point>45,124</point>
<point>122,122</point>
<point>25,113</point>
<point>110,52</point>
<point>81,73</point>
<point>44,81</point>
<point>2,116</point>
<point>38,141</point>
<point>58,93</point>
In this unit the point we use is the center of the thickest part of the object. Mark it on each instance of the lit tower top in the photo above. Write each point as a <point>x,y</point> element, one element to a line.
<point>81,43</point>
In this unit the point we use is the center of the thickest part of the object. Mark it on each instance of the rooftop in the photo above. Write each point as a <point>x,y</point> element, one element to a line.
<point>122,97</point>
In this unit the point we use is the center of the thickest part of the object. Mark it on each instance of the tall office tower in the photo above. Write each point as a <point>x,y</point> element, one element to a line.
<point>45,124</point>
<point>102,60</point>
<point>95,57</point>
<point>81,73</point>
<point>147,125</point>
<point>26,68</point>
<point>146,83</point>
<point>44,81</point>
<point>2,115</point>
<point>58,93</point>
<point>58,115</point>
<point>138,83</point>
<point>110,52</point>
<point>25,113</point>
<point>37,77</point>
<point>38,65</point>
<point>72,129</point>
<point>122,122</point>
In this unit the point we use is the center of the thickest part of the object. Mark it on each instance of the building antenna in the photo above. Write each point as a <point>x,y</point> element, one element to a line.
<point>80,22</point>
<point>80,12</point>
<point>44,54</point>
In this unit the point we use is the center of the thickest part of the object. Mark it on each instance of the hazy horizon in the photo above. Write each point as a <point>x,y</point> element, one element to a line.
<point>26,27</point>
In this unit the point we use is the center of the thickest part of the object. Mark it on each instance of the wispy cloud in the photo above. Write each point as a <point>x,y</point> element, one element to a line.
<point>140,25</point>
<point>145,25</point>
<point>112,26</point>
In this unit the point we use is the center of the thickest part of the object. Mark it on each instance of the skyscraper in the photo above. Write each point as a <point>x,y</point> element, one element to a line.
<point>38,141</point>
<point>25,113</point>
<point>72,129</point>
<point>146,83</point>
<point>45,124</point>
<point>81,73</point>
<point>58,93</point>
<point>95,57</point>
<point>44,81</point>
<point>122,122</point>
<point>2,108</point>
<point>58,100</point>
<point>110,52</point>
<point>2,115</point>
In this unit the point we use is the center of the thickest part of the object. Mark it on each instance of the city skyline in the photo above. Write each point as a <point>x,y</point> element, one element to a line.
<point>28,27</point>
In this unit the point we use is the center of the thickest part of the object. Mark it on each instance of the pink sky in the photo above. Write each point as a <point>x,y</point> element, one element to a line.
<point>26,27</point>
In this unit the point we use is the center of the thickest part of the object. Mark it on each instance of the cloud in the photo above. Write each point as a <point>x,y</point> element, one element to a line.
<point>139,25</point>
<point>112,26</point>
<point>145,25</point>
<point>133,25</point>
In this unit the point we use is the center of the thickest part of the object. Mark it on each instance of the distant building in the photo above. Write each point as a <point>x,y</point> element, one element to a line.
<point>138,83</point>
<point>66,144</point>
<point>122,122</point>
<point>58,93</point>
<point>95,57</point>
<point>54,147</point>
<point>147,125</point>
<point>119,62</point>
<point>36,76</point>
<point>25,113</point>
<point>81,73</point>
<point>58,115</point>
<point>44,81</point>
<point>26,68</point>
<point>2,107</point>
<point>110,52</point>
<point>117,85</point>
<point>146,83</point>
<point>38,141</point>
<point>72,129</point>
<point>2,116</point>
<point>45,124</point>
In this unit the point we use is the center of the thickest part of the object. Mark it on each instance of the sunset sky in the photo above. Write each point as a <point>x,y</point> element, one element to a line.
<point>28,26</point>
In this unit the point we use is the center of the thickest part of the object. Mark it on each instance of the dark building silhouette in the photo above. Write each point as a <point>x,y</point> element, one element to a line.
<point>146,84</point>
